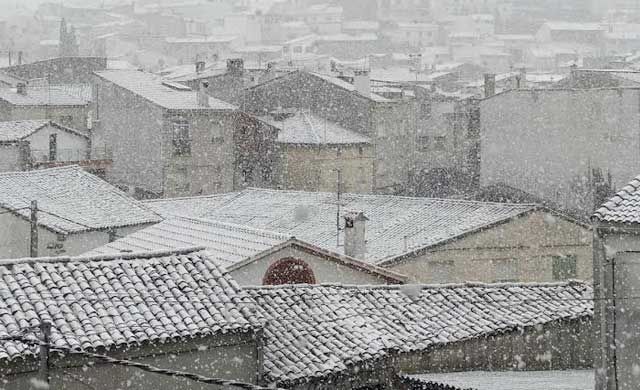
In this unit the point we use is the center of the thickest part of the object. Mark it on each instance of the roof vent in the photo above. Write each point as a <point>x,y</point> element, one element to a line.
<point>21,88</point>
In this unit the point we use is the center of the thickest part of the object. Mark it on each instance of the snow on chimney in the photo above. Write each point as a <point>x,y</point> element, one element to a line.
<point>362,82</point>
<point>355,243</point>
<point>203,98</point>
<point>199,66</point>
<point>489,84</point>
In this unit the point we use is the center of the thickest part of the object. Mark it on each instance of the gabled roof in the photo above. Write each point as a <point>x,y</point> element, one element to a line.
<point>398,225</point>
<point>327,78</point>
<point>322,330</point>
<point>150,87</point>
<point>119,300</point>
<point>231,246</point>
<point>57,95</point>
<point>305,128</point>
<point>71,200</point>
<point>624,207</point>
<point>12,131</point>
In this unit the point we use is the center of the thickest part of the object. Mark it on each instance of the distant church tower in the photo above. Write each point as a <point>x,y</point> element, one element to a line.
<point>68,43</point>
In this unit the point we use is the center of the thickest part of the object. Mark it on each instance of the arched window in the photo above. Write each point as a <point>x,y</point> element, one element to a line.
<point>288,271</point>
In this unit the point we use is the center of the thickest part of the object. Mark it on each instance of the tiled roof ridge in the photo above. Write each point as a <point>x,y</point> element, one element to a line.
<point>102,257</point>
<point>210,196</point>
<point>529,206</point>
<point>567,283</point>
<point>628,190</point>
<point>235,227</point>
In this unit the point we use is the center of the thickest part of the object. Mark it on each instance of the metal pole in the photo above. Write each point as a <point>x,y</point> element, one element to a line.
<point>33,250</point>
<point>338,209</point>
<point>45,329</point>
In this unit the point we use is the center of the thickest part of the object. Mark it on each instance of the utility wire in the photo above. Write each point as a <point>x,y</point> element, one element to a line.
<point>147,367</point>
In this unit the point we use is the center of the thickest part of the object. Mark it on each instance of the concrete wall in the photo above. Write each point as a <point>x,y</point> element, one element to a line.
<point>70,147</point>
<point>545,142</point>
<point>617,271</point>
<point>233,357</point>
<point>309,168</point>
<point>15,233</point>
<point>554,346</point>
<point>325,271</point>
<point>132,128</point>
<point>520,250</point>
<point>11,159</point>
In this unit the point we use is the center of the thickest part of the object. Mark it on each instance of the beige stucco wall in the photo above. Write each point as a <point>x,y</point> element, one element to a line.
<point>519,250</point>
<point>325,271</point>
<point>314,168</point>
<point>228,357</point>
<point>71,147</point>
<point>210,167</point>
<point>15,233</point>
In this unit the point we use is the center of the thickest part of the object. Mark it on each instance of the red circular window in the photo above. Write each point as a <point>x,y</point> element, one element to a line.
<point>288,271</point>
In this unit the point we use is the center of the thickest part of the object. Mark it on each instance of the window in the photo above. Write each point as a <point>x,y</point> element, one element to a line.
<point>440,142</point>
<point>564,267</point>
<point>181,139</point>
<point>246,175</point>
<point>288,271</point>
<point>360,150</point>
<point>53,147</point>
<point>266,174</point>
<point>217,140</point>
<point>423,142</point>
<point>66,120</point>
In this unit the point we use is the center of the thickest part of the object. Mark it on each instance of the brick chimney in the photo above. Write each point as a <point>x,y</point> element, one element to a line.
<point>235,65</point>
<point>489,84</point>
<point>203,98</point>
<point>355,243</point>
<point>21,88</point>
<point>362,82</point>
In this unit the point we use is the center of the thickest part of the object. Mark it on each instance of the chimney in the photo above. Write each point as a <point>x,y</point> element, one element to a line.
<point>362,82</point>
<point>199,66</point>
<point>522,78</point>
<point>355,244</point>
<point>489,84</point>
<point>235,65</point>
<point>21,88</point>
<point>203,98</point>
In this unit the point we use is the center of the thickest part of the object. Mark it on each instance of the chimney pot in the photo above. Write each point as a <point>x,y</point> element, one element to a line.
<point>355,244</point>
<point>362,82</point>
<point>21,88</point>
<point>235,65</point>
<point>201,93</point>
<point>489,84</point>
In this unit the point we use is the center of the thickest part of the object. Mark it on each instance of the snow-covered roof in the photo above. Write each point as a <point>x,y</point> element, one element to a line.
<point>57,95</point>
<point>574,26</point>
<point>229,245</point>
<point>513,380</point>
<point>397,225</point>
<point>12,131</point>
<point>226,243</point>
<point>322,330</point>
<point>151,87</point>
<point>347,86</point>
<point>110,301</point>
<point>305,128</point>
<point>201,39</point>
<point>71,200</point>
<point>624,207</point>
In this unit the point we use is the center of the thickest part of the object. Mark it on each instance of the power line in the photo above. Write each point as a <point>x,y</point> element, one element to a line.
<point>148,367</point>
